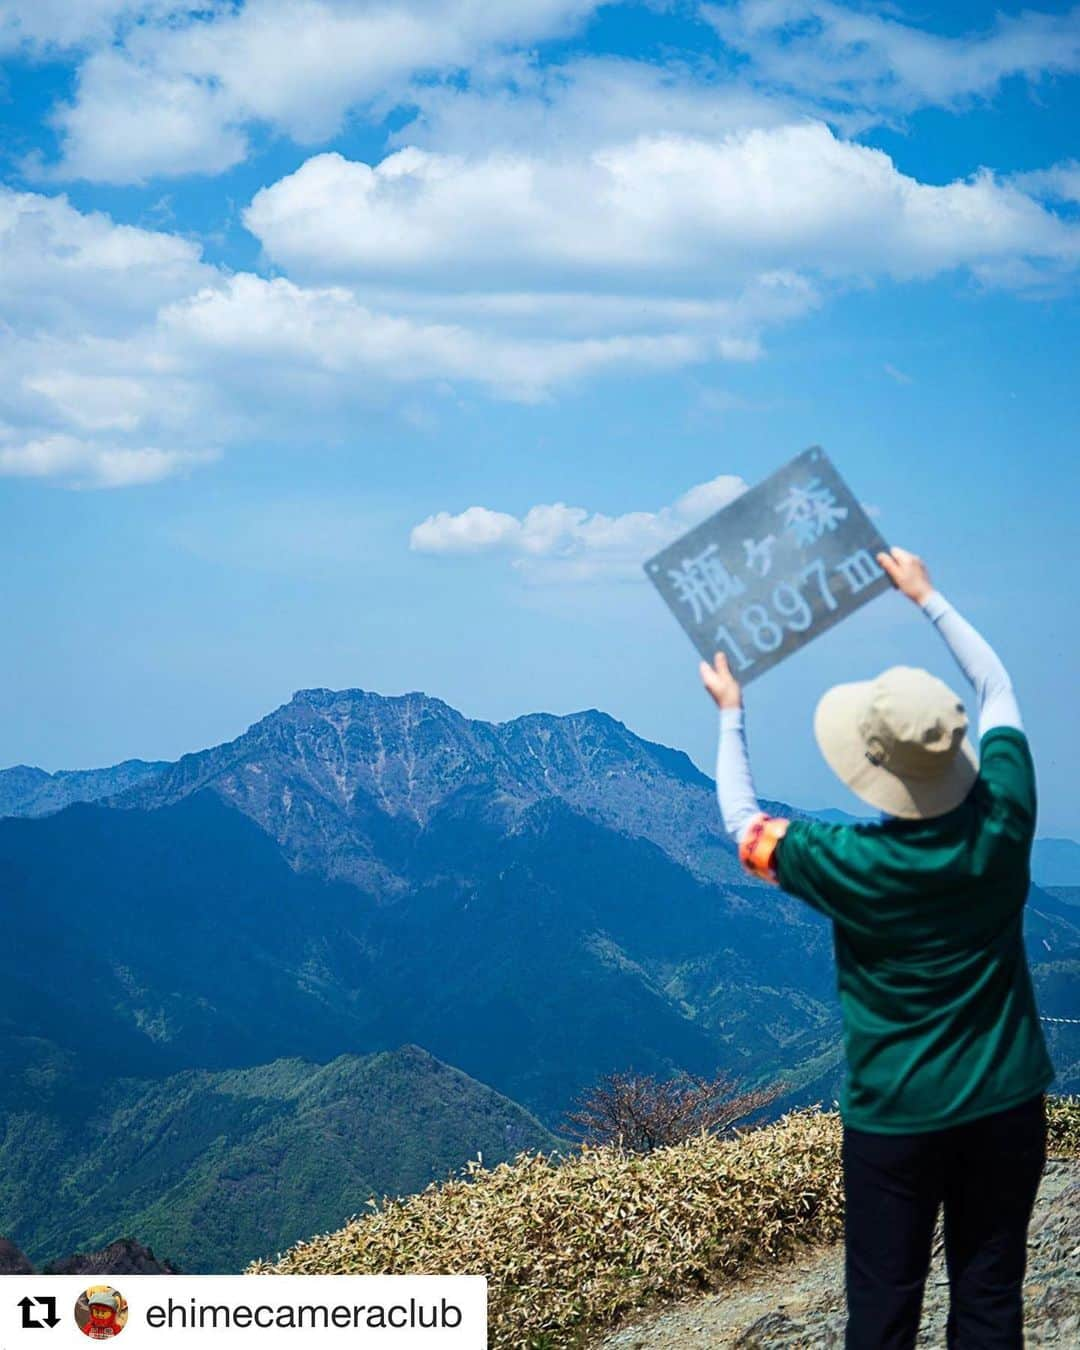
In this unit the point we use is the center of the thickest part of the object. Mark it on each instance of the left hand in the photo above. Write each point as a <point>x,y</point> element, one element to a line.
<point>721,684</point>
<point>907,572</point>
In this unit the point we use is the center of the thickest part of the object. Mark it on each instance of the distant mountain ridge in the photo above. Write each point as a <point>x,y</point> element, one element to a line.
<point>339,756</point>
<point>27,791</point>
<point>536,902</point>
<point>345,781</point>
<point>463,885</point>
<point>215,1169</point>
<point>472,888</point>
<point>180,936</point>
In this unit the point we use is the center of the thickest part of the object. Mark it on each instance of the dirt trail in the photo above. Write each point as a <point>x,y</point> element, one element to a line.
<point>802,1303</point>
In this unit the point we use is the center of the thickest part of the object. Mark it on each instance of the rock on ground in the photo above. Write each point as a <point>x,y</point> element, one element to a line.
<point>123,1257</point>
<point>802,1303</point>
<point>13,1261</point>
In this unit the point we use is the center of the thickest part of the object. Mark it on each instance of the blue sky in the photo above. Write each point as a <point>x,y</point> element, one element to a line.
<point>280,283</point>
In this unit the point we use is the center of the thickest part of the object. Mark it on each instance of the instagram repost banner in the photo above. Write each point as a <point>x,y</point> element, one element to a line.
<point>407,1312</point>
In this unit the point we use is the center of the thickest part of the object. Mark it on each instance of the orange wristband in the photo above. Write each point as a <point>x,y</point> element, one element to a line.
<point>758,849</point>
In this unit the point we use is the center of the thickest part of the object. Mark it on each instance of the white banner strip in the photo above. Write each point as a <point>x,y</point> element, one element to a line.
<point>406,1312</point>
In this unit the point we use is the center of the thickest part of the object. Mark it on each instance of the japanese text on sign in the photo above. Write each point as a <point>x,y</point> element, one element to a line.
<point>785,561</point>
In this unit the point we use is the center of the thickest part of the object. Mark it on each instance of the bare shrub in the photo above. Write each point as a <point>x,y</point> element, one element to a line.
<point>639,1113</point>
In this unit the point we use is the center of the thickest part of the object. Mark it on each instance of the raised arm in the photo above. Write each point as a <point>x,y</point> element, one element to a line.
<point>755,832</point>
<point>734,781</point>
<point>997,706</point>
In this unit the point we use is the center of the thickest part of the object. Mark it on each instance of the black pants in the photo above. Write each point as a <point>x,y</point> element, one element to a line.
<point>986,1175</point>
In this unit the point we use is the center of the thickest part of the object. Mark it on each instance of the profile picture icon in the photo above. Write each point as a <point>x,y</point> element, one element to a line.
<point>101,1312</point>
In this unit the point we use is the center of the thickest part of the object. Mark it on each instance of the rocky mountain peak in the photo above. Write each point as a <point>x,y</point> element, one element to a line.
<point>345,779</point>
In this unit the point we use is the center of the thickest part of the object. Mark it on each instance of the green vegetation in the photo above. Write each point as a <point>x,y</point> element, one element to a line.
<point>572,1246</point>
<point>211,1169</point>
<point>1063,1121</point>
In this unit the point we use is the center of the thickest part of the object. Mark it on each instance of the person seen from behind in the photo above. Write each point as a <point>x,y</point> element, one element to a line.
<point>943,1102</point>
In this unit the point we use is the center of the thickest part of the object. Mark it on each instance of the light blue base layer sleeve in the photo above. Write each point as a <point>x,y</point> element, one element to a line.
<point>734,783</point>
<point>994,694</point>
<point>996,701</point>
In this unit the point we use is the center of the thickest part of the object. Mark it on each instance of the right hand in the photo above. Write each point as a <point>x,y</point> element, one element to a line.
<point>907,572</point>
<point>719,681</point>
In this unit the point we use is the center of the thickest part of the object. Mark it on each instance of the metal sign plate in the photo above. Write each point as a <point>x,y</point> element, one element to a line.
<point>780,564</point>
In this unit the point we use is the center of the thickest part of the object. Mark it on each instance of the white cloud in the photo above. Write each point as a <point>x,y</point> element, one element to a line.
<point>522,105</point>
<point>278,325</point>
<point>894,373</point>
<point>734,322</point>
<point>61,267</point>
<point>512,266</point>
<point>121,348</point>
<point>90,397</point>
<point>93,402</point>
<point>41,25</point>
<point>79,463</point>
<point>1059,183</point>
<point>862,59</point>
<point>661,215</point>
<point>557,542</point>
<point>126,384</point>
<point>178,96</point>
<point>473,530</point>
<point>166,88</point>
<point>129,123</point>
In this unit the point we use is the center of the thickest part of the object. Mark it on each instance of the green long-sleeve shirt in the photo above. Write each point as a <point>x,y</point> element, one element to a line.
<point>940,1023</point>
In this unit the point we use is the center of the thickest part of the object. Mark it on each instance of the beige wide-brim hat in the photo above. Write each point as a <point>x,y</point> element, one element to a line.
<point>899,742</point>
